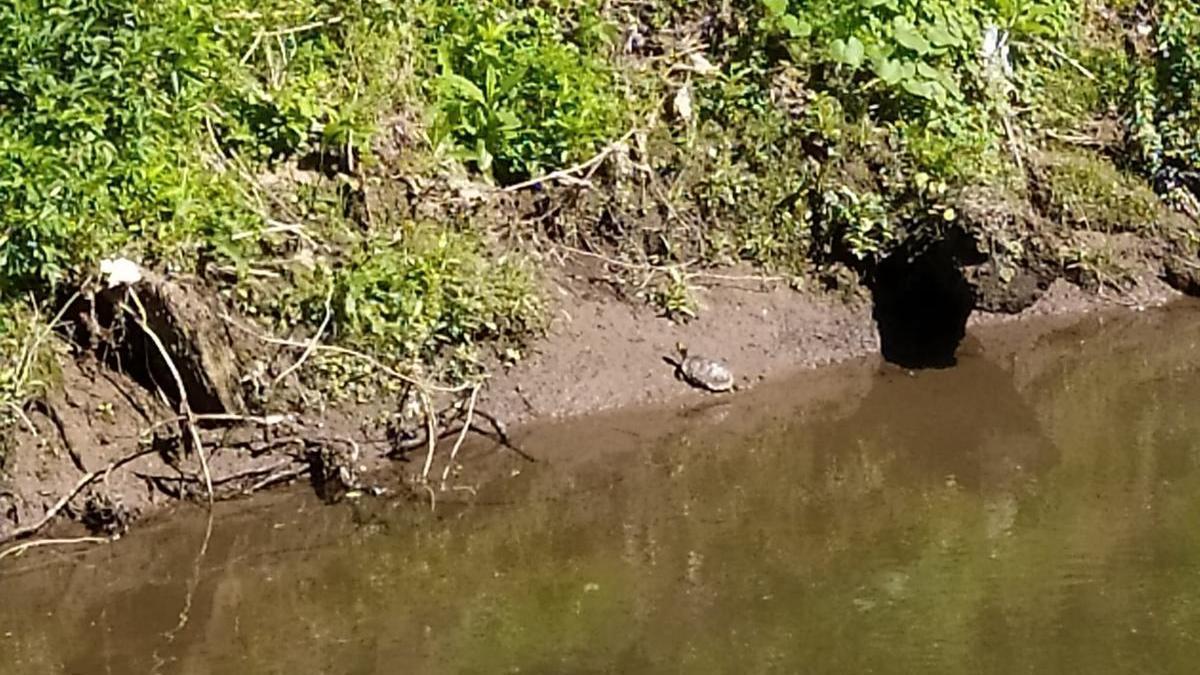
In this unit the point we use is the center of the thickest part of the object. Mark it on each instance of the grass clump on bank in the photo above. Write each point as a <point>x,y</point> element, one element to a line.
<point>418,292</point>
<point>1087,191</point>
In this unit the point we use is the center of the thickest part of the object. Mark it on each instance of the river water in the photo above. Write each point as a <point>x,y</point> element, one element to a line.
<point>1035,509</point>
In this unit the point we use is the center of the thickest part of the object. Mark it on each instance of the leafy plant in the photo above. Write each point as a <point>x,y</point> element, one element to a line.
<point>1165,113</point>
<point>111,112</point>
<point>419,292</point>
<point>673,296</point>
<point>521,88</point>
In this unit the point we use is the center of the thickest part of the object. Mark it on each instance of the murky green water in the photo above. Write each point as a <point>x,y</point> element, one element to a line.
<point>1035,510</point>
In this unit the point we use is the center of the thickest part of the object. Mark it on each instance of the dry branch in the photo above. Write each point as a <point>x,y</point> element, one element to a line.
<point>39,543</point>
<point>80,485</point>
<point>570,172</point>
<point>184,407</point>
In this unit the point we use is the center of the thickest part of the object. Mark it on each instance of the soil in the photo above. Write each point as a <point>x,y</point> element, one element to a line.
<point>601,352</point>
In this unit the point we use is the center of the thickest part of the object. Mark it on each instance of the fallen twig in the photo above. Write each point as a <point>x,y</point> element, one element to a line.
<point>276,478</point>
<point>39,543</point>
<point>223,480</point>
<point>80,485</point>
<point>430,434</point>
<point>260,420</point>
<point>1073,63</point>
<point>24,418</point>
<point>344,351</point>
<point>316,339</point>
<point>462,435</point>
<point>569,172</point>
<point>184,407</point>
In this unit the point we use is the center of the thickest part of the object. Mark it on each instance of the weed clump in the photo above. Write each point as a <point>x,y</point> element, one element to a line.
<point>1086,190</point>
<point>521,88</point>
<point>1165,110</point>
<point>424,290</point>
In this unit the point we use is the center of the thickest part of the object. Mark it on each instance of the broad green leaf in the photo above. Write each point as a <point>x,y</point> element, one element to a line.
<point>464,87</point>
<point>940,37</point>
<point>849,53</point>
<point>909,36</point>
<point>795,27</point>
<point>888,70</point>
<point>919,88</point>
<point>854,52</point>
<point>927,71</point>
<point>776,8</point>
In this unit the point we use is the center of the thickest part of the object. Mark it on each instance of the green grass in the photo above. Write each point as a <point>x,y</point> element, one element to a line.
<point>25,352</point>
<point>1087,191</point>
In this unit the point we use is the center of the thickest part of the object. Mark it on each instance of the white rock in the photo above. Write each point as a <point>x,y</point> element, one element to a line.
<point>701,65</point>
<point>120,272</point>
<point>683,103</point>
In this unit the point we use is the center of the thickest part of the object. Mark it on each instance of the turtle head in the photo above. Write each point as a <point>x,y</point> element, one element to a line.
<point>681,349</point>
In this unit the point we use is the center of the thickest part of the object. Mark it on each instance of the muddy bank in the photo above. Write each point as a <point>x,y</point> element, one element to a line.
<point>104,449</point>
<point>601,353</point>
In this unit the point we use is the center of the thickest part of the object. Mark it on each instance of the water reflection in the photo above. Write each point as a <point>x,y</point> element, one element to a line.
<point>967,425</point>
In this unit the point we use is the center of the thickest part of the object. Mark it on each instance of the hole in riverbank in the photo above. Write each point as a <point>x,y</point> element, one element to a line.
<point>180,342</point>
<point>922,302</point>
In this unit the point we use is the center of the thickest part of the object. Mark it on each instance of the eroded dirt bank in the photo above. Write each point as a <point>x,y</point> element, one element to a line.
<point>103,450</point>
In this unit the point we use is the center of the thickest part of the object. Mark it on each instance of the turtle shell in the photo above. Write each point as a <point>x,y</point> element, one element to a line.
<point>706,373</point>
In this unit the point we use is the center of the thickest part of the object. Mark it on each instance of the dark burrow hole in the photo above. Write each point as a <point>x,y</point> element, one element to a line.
<point>922,302</point>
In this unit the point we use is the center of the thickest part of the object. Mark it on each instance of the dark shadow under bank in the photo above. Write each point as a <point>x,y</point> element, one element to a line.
<point>922,302</point>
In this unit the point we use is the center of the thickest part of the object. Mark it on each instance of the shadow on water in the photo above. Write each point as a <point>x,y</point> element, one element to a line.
<point>1018,513</point>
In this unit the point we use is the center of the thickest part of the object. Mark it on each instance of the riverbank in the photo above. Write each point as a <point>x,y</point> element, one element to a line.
<point>104,441</point>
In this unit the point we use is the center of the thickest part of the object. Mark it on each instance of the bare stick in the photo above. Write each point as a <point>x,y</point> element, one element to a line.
<point>1074,64</point>
<point>316,339</point>
<point>184,407</point>
<point>276,478</point>
<point>462,435</point>
<point>83,482</point>
<point>241,475</point>
<point>332,349</point>
<point>571,171</point>
<point>306,27</point>
<point>430,432</point>
<point>1012,142</point>
<point>38,543</point>
<point>260,420</point>
<point>24,418</point>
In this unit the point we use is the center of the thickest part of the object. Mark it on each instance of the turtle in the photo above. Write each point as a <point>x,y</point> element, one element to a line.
<point>700,371</point>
